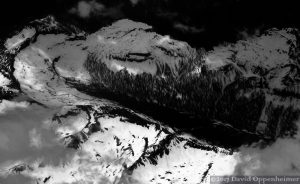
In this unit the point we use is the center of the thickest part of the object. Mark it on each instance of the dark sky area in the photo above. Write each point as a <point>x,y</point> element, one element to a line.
<point>202,23</point>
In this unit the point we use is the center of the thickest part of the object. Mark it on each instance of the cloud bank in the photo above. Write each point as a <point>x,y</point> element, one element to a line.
<point>280,158</point>
<point>85,9</point>
<point>25,138</point>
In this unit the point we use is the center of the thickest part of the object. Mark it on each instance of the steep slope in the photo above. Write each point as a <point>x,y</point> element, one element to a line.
<point>262,85</point>
<point>101,81</point>
<point>251,86</point>
<point>116,145</point>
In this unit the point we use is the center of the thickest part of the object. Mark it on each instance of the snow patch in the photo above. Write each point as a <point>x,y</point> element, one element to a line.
<point>4,81</point>
<point>17,40</point>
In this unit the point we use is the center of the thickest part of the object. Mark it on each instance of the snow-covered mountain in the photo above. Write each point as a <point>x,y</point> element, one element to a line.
<point>113,89</point>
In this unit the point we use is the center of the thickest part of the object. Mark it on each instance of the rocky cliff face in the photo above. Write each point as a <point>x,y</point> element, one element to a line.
<point>245,90</point>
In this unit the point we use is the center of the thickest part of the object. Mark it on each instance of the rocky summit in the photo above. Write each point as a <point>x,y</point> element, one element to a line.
<point>137,106</point>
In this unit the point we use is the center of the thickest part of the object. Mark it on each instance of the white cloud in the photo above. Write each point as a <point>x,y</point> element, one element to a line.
<point>3,141</point>
<point>35,138</point>
<point>187,29</point>
<point>85,9</point>
<point>134,2</point>
<point>279,158</point>
<point>6,105</point>
<point>23,130</point>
